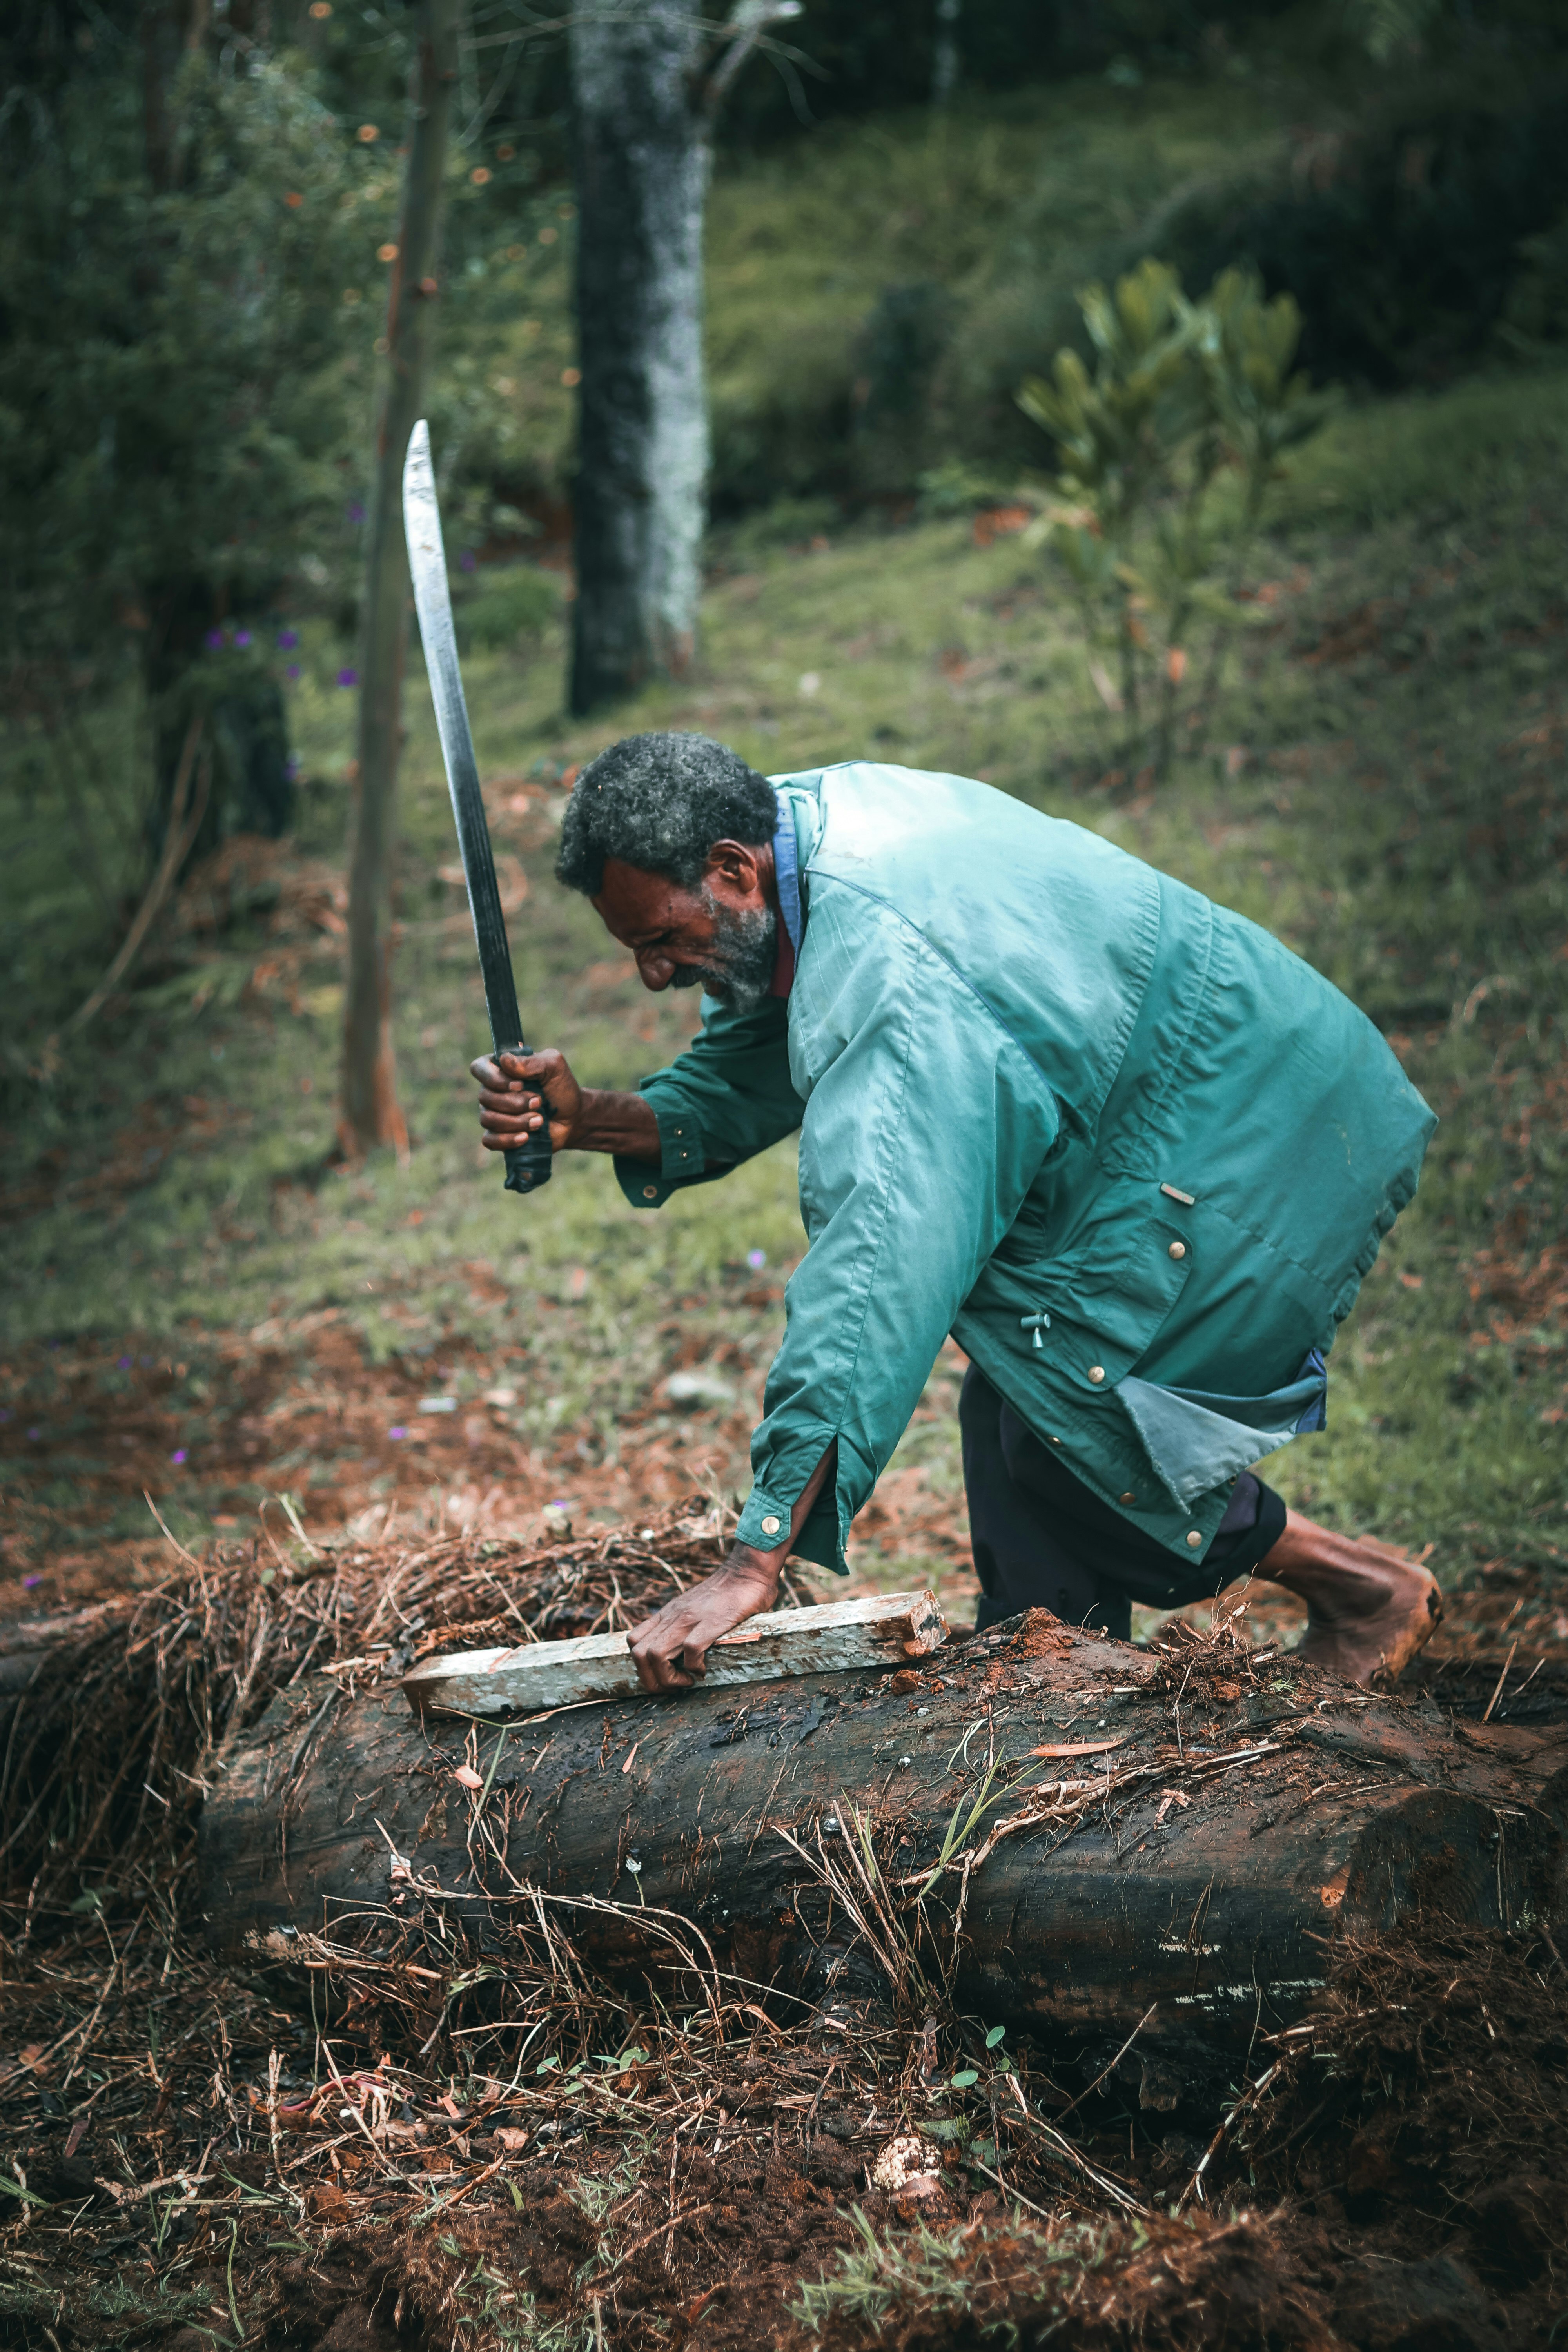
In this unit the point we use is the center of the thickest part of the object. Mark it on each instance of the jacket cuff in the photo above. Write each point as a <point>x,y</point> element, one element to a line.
<point>681,1157</point>
<point>764,1521</point>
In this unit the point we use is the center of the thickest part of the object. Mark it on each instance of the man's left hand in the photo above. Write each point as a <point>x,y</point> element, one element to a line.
<point>671,1648</point>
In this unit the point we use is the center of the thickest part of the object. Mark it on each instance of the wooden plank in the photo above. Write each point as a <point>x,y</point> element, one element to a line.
<point>885,1630</point>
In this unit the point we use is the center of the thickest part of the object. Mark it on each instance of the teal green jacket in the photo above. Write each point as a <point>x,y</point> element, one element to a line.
<point>1132,1152</point>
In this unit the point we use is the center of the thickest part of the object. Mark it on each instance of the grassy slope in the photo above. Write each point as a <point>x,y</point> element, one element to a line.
<point>1002,204</point>
<point>1387,793</point>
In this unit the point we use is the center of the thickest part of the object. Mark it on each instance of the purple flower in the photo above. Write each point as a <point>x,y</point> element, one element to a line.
<point>293,671</point>
<point>178,1455</point>
<point>34,1435</point>
<point>292,770</point>
<point>124,1363</point>
<point>467,560</point>
<point>242,636</point>
<point>348,678</point>
<point>212,640</point>
<point>356,512</point>
<point>756,1258</point>
<point>397,1433</point>
<point>287,639</point>
<point>5,1413</point>
<point>28,1582</point>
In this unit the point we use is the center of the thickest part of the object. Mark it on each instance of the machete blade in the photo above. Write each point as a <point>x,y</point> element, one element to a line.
<point>529,1166</point>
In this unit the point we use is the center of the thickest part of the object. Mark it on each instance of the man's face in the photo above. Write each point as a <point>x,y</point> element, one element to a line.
<point>721,934</point>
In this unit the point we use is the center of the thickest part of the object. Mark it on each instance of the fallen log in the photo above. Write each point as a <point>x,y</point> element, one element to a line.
<point>1177,1831</point>
<point>33,1647</point>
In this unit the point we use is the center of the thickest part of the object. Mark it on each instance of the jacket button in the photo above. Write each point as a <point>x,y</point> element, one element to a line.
<point>1097,1373</point>
<point>1178,1249</point>
<point>770,1526</point>
<point>1196,1540</point>
<point>650,1191</point>
<point>1129,1499</point>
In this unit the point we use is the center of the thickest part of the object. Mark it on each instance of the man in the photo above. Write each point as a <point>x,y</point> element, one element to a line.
<point>1132,1153</point>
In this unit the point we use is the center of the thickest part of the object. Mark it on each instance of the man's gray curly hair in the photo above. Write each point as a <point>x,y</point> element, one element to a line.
<point>659,803</point>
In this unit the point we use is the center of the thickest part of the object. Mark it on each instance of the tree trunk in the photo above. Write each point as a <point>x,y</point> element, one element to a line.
<point>944,55</point>
<point>642,161</point>
<point>370,1113</point>
<point>1190,1864</point>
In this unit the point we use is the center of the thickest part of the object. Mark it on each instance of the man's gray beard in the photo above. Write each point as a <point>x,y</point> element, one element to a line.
<point>745,953</point>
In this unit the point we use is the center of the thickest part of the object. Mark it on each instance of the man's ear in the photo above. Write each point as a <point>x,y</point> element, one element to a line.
<point>736,867</point>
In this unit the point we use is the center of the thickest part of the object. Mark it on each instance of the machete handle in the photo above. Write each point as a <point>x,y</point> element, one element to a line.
<point>528,1167</point>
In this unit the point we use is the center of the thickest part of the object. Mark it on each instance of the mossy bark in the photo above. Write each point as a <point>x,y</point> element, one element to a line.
<point>642,165</point>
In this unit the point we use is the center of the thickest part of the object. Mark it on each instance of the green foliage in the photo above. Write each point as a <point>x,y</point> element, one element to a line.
<point>1258,406</point>
<point>1397,220</point>
<point>1390,26</point>
<point>168,408</point>
<point>1179,391</point>
<point>1119,433</point>
<point>195,279</point>
<point>1391,207</point>
<point>505,606</point>
<point>994,213</point>
<point>1535,315</point>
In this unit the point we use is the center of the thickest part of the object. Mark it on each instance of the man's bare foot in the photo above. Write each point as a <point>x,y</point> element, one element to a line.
<point>1368,1606</point>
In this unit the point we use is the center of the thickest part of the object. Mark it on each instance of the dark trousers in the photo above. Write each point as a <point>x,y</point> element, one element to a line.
<point>1043,1540</point>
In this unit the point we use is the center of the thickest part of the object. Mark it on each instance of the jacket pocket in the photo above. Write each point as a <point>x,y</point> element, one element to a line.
<point>1196,1441</point>
<point>1107,1315</point>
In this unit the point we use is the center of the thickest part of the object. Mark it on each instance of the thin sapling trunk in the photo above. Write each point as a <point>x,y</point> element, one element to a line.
<point>370,1113</point>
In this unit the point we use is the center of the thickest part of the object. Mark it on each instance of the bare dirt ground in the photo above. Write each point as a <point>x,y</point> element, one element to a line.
<point>395,1474</point>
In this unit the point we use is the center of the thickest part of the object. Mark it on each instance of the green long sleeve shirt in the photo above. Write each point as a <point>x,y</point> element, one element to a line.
<point>1131,1152</point>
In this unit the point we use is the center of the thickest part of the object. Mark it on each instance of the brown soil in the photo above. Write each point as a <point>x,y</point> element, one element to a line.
<point>88,1430</point>
<point>1391,2215</point>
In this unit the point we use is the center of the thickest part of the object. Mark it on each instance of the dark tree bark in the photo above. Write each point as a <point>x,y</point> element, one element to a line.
<point>642,164</point>
<point>369,1113</point>
<point>1180,1881</point>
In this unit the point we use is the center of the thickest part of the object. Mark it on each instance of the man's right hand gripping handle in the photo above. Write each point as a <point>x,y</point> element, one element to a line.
<point>531,1103</point>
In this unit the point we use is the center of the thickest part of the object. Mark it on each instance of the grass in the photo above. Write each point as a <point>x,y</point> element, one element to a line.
<point>1381,784</point>
<point>1002,206</point>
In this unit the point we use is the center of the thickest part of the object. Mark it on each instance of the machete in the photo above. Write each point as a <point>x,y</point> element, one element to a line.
<point>528,1166</point>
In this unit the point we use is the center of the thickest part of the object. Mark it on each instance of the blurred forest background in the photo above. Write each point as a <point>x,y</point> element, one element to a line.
<point>1254,560</point>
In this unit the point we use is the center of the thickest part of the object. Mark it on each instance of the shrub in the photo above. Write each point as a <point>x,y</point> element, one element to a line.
<point>1180,392</point>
